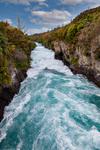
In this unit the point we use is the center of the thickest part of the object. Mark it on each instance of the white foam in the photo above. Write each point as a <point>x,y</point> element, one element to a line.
<point>19,146</point>
<point>43,58</point>
<point>11,112</point>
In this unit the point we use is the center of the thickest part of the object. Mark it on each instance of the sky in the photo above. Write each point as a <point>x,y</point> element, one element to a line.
<point>42,15</point>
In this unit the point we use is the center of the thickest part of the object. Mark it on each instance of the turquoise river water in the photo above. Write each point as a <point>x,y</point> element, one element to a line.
<point>54,109</point>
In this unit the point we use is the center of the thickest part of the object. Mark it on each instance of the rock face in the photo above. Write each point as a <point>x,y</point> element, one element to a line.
<point>78,44</point>
<point>8,92</point>
<point>78,62</point>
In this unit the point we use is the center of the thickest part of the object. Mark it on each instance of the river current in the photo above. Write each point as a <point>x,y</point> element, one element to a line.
<point>54,109</point>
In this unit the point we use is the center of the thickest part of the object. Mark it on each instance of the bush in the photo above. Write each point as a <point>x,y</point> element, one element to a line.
<point>22,65</point>
<point>3,41</point>
<point>72,30</point>
<point>4,76</point>
<point>80,26</point>
<point>74,60</point>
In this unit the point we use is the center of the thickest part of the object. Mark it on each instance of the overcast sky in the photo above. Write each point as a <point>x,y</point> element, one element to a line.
<point>42,15</point>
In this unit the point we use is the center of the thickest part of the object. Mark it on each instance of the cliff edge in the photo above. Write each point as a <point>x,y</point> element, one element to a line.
<point>15,49</point>
<point>78,44</point>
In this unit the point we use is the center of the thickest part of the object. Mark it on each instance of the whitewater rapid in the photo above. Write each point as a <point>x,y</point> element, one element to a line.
<point>54,109</point>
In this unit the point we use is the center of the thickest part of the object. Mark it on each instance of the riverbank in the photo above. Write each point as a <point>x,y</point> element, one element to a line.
<point>92,74</point>
<point>77,44</point>
<point>15,50</point>
<point>8,92</point>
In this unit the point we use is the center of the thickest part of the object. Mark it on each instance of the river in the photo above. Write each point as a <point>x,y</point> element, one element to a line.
<point>54,109</point>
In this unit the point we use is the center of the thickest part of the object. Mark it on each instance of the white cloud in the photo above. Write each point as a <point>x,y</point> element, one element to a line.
<point>24,2</point>
<point>43,4</point>
<point>52,18</point>
<point>36,30</point>
<point>74,2</point>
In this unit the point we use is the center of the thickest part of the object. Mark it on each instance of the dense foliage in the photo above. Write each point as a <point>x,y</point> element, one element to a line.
<point>15,48</point>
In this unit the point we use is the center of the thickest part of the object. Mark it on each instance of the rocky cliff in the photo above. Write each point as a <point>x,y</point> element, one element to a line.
<point>78,62</point>
<point>8,91</point>
<point>15,49</point>
<point>78,44</point>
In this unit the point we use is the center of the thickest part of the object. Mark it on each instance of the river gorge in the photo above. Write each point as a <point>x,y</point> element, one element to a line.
<point>54,109</point>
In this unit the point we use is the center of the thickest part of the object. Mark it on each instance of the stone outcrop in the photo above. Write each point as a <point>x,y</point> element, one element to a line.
<point>77,44</point>
<point>8,92</point>
<point>77,61</point>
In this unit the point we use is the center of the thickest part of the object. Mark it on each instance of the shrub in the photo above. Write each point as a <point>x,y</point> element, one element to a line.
<point>72,30</point>
<point>80,26</point>
<point>74,60</point>
<point>22,65</point>
<point>3,41</point>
